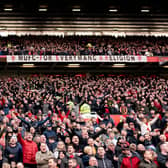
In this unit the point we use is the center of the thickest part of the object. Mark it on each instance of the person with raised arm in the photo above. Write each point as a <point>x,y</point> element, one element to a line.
<point>146,123</point>
<point>29,148</point>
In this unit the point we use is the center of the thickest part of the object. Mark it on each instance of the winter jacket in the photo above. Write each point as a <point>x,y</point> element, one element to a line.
<point>145,164</point>
<point>162,160</point>
<point>128,162</point>
<point>15,151</point>
<point>29,150</point>
<point>42,159</point>
<point>85,160</point>
<point>110,155</point>
<point>50,133</point>
<point>52,146</point>
<point>104,163</point>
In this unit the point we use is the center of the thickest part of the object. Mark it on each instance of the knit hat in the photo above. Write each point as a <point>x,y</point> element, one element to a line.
<point>151,147</point>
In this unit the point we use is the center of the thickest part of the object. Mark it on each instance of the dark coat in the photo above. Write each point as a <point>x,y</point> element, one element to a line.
<point>50,133</point>
<point>110,156</point>
<point>52,146</point>
<point>145,164</point>
<point>102,161</point>
<point>85,160</point>
<point>162,160</point>
<point>16,151</point>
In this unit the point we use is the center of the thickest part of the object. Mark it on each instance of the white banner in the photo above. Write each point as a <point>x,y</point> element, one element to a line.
<point>74,58</point>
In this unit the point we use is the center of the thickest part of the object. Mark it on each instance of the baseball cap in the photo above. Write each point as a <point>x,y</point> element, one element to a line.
<point>125,146</point>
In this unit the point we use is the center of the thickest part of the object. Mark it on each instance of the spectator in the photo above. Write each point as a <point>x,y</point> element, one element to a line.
<point>87,154</point>
<point>49,132</point>
<point>140,151</point>
<point>51,144</point>
<point>103,162</point>
<point>33,123</point>
<point>29,150</point>
<point>60,147</point>
<point>43,140</point>
<point>20,165</point>
<point>13,152</point>
<point>162,156</point>
<point>145,124</point>
<point>110,153</point>
<point>43,156</point>
<point>91,143</point>
<point>72,163</point>
<point>71,154</point>
<point>6,165</point>
<point>147,162</point>
<point>76,145</point>
<point>52,163</point>
<point>127,158</point>
<point>123,109</point>
<point>61,155</point>
<point>93,162</point>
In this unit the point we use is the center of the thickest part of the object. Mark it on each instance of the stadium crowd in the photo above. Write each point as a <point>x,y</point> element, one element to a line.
<point>48,121</point>
<point>79,45</point>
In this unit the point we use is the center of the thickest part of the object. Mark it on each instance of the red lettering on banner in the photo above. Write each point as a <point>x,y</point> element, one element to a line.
<point>13,57</point>
<point>57,58</point>
<point>40,57</point>
<point>101,58</point>
<point>106,57</point>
